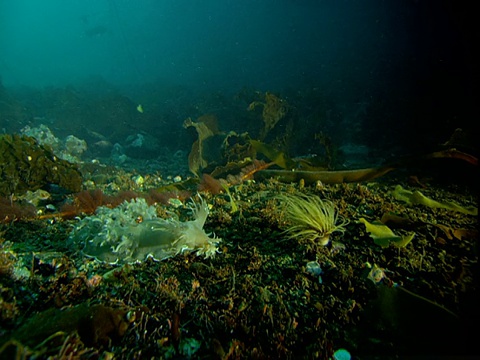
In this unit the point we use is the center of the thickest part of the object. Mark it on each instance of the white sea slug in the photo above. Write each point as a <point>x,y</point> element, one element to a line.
<point>114,236</point>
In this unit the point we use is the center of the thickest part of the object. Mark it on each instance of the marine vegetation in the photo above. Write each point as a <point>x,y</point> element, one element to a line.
<point>311,218</point>
<point>26,165</point>
<point>206,127</point>
<point>261,297</point>
<point>311,175</point>
<point>383,236</point>
<point>274,109</point>
<point>417,198</point>
<point>132,232</point>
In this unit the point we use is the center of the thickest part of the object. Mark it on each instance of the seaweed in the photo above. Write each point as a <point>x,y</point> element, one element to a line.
<point>26,165</point>
<point>12,211</point>
<point>274,109</point>
<point>206,127</point>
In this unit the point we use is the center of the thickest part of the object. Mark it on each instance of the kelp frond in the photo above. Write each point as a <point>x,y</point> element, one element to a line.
<point>311,218</point>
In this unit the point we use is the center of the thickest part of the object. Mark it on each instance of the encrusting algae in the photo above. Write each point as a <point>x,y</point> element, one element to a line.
<point>311,218</point>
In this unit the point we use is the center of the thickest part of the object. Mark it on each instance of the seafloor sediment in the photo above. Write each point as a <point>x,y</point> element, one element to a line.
<point>258,297</point>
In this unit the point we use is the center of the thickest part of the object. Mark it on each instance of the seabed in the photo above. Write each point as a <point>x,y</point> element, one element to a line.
<point>263,295</point>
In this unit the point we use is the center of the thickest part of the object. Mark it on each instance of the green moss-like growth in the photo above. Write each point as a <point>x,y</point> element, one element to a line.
<point>26,165</point>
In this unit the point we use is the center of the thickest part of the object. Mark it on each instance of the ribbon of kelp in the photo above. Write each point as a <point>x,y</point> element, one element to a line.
<point>291,173</point>
<point>417,198</point>
<point>383,236</point>
<point>326,177</point>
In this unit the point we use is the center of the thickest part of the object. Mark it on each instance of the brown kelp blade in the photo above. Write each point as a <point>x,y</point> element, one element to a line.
<point>358,175</point>
<point>326,177</point>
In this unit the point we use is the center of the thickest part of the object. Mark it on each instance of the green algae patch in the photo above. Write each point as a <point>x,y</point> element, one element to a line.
<point>382,235</point>
<point>417,198</point>
<point>26,165</point>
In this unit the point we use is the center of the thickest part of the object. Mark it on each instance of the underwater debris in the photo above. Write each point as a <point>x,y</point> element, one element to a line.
<point>311,218</point>
<point>132,232</point>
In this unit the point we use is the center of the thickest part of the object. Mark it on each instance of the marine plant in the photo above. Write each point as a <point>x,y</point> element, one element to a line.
<point>311,218</point>
<point>274,109</point>
<point>86,202</point>
<point>12,211</point>
<point>209,184</point>
<point>207,127</point>
<point>26,165</point>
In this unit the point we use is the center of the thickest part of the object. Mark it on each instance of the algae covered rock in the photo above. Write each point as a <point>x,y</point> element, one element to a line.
<point>26,165</point>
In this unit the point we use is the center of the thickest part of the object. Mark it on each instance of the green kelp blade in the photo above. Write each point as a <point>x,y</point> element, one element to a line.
<point>382,235</point>
<point>417,198</point>
<point>276,156</point>
<point>404,240</point>
<point>233,204</point>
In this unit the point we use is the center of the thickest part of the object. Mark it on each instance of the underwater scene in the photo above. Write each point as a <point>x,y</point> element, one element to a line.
<point>238,179</point>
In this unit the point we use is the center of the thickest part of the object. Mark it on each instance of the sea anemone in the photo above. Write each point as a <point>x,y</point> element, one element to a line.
<point>311,218</point>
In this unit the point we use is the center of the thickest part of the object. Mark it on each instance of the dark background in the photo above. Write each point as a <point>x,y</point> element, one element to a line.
<point>395,76</point>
